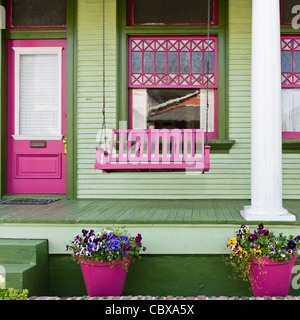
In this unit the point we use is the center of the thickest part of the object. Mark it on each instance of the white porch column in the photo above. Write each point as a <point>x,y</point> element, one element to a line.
<point>266,148</point>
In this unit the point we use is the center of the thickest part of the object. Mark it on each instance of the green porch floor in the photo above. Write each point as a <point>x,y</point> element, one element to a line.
<point>135,212</point>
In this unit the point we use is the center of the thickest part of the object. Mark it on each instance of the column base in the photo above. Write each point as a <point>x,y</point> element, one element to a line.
<point>266,214</point>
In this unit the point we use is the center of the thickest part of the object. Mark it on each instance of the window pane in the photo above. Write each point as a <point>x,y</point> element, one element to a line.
<point>209,55</point>
<point>297,61</point>
<point>290,110</point>
<point>39,13</point>
<point>197,62</point>
<point>286,58</point>
<point>39,95</point>
<point>136,62</point>
<point>152,12</point>
<point>184,62</point>
<point>148,62</point>
<point>172,62</point>
<point>160,62</point>
<point>172,108</point>
<point>286,10</point>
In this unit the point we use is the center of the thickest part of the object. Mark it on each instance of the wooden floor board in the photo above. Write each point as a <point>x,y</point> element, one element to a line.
<point>118,211</point>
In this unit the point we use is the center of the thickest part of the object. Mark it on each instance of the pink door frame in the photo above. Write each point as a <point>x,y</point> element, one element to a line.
<point>35,170</point>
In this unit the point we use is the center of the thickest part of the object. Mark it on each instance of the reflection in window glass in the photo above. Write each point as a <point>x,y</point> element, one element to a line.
<point>290,110</point>
<point>172,108</point>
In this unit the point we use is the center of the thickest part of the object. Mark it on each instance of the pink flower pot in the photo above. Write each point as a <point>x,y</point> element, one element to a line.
<point>271,278</point>
<point>102,280</point>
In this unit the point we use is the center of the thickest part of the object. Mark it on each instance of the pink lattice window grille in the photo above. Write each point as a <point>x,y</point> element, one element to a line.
<point>172,62</point>
<point>168,81</point>
<point>290,82</point>
<point>290,54</point>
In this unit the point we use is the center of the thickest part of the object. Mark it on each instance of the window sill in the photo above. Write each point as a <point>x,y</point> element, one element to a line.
<point>220,145</point>
<point>290,145</point>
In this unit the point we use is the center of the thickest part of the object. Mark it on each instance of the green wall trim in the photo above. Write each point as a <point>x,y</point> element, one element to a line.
<point>158,275</point>
<point>291,146</point>
<point>224,145</point>
<point>35,34</point>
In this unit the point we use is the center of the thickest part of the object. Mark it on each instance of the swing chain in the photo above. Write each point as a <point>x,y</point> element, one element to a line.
<point>207,70</point>
<point>103,130</point>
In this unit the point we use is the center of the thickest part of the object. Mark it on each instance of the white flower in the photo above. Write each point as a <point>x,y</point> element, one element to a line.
<point>83,250</point>
<point>2,282</point>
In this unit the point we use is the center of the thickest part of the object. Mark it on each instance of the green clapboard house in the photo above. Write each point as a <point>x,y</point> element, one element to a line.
<point>72,71</point>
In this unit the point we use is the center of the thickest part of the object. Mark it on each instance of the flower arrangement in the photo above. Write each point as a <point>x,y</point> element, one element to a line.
<point>246,246</point>
<point>107,245</point>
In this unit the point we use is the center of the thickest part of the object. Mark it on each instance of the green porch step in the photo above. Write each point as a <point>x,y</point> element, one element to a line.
<point>25,263</point>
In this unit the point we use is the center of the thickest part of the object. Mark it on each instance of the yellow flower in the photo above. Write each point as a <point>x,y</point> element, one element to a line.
<point>232,241</point>
<point>258,252</point>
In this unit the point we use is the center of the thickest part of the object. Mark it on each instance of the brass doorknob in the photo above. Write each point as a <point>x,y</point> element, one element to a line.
<point>65,144</point>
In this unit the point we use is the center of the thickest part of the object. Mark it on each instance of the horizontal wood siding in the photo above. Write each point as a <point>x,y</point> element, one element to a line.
<point>229,177</point>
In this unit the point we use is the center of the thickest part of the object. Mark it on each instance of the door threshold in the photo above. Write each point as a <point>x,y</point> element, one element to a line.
<point>35,196</point>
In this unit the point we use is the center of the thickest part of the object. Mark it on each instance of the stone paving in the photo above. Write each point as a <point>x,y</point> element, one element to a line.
<point>163,298</point>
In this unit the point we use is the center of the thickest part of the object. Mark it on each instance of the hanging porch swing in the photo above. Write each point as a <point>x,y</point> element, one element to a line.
<point>153,149</point>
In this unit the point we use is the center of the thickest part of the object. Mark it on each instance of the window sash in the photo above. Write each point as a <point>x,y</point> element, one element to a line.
<point>147,70</point>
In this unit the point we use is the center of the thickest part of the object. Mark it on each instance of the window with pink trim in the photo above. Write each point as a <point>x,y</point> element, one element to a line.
<point>169,83</point>
<point>290,82</point>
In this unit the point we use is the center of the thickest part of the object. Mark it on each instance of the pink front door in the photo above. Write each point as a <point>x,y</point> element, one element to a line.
<point>36,117</point>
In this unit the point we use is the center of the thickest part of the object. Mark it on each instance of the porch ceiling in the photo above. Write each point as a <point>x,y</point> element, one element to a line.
<point>110,211</point>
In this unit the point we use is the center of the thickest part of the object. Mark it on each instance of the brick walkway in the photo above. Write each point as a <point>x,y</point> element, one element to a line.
<point>164,298</point>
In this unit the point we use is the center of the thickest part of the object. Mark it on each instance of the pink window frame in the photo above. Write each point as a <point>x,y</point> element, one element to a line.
<point>197,81</point>
<point>285,76</point>
<point>211,135</point>
<point>9,26</point>
<point>214,23</point>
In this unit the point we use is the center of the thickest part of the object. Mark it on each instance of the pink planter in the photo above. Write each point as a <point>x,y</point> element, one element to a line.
<point>101,280</point>
<point>271,278</point>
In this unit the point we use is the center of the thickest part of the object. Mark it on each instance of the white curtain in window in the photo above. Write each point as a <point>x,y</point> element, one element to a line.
<point>290,110</point>
<point>38,95</point>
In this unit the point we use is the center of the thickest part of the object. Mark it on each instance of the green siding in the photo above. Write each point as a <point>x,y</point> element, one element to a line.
<point>229,177</point>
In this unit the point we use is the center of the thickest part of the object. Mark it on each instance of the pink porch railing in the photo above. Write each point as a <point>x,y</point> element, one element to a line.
<point>154,149</point>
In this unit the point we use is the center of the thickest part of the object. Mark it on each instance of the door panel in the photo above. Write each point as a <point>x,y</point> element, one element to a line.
<point>36,161</point>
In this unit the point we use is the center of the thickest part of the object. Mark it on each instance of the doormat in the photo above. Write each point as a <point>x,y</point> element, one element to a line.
<point>27,201</point>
